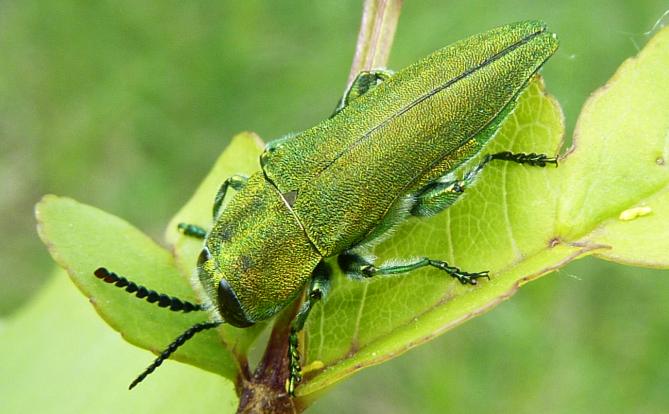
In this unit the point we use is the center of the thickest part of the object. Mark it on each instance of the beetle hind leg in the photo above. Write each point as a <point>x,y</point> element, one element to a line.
<point>358,267</point>
<point>442,193</point>
<point>363,83</point>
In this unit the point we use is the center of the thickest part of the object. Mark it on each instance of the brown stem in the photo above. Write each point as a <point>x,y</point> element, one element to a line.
<point>265,391</point>
<point>377,31</point>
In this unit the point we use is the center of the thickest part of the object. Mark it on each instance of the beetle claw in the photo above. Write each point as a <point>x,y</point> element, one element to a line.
<point>467,278</point>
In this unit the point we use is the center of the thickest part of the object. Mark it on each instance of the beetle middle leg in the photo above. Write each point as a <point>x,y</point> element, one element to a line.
<point>318,289</point>
<point>440,194</point>
<point>357,267</point>
<point>363,83</point>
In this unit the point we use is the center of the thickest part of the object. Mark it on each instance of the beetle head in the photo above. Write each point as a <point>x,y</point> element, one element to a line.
<point>227,301</point>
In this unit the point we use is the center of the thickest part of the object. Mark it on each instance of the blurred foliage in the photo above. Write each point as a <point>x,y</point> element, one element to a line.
<point>125,105</point>
<point>86,366</point>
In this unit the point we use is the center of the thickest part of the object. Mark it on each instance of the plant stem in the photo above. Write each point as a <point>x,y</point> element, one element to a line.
<point>265,391</point>
<point>377,32</point>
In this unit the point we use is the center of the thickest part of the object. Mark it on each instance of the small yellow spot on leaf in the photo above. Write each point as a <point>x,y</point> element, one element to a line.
<point>633,213</point>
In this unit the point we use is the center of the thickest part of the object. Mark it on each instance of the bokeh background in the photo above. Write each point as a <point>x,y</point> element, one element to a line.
<point>126,104</point>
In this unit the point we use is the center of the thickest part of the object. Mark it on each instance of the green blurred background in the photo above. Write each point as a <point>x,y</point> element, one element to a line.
<point>125,105</point>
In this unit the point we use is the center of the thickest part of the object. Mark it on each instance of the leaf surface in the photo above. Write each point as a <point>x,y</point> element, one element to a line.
<point>82,238</point>
<point>64,359</point>
<point>615,189</point>
<point>609,197</point>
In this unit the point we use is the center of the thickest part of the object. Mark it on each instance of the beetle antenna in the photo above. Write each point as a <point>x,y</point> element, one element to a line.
<point>181,339</point>
<point>151,296</point>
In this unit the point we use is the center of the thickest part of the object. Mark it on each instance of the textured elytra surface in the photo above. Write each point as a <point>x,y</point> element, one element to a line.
<point>300,159</point>
<point>406,132</point>
<point>507,223</point>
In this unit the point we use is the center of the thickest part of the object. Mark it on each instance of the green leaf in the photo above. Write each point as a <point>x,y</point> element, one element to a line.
<point>59,357</point>
<point>518,222</point>
<point>240,157</point>
<point>81,238</point>
<point>620,163</point>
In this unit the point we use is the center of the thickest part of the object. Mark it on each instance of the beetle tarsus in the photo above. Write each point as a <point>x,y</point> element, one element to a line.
<point>534,159</point>
<point>466,278</point>
<point>192,230</point>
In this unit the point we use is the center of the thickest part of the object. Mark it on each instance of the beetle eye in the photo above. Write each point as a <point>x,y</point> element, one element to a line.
<point>229,306</point>
<point>204,256</point>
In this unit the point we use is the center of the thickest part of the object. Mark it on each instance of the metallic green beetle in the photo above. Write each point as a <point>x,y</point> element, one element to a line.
<point>336,189</point>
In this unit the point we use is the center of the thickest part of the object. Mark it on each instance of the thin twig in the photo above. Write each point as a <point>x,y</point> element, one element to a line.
<point>375,38</point>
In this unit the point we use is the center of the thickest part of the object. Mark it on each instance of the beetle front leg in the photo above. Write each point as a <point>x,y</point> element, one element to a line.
<point>357,267</point>
<point>363,83</point>
<point>441,194</point>
<point>237,182</point>
<point>318,289</point>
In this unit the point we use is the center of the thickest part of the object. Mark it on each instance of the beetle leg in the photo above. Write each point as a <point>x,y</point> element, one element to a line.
<point>237,182</point>
<point>357,267</point>
<point>318,289</point>
<point>363,83</point>
<point>192,230</point>
<point>436,197</point>
<point>440,194</point>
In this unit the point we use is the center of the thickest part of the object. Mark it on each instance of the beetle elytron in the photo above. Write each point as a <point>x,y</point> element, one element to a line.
<point>337,188</point>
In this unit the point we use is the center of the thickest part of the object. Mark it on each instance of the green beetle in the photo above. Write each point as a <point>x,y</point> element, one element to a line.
<point>387,153</point>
